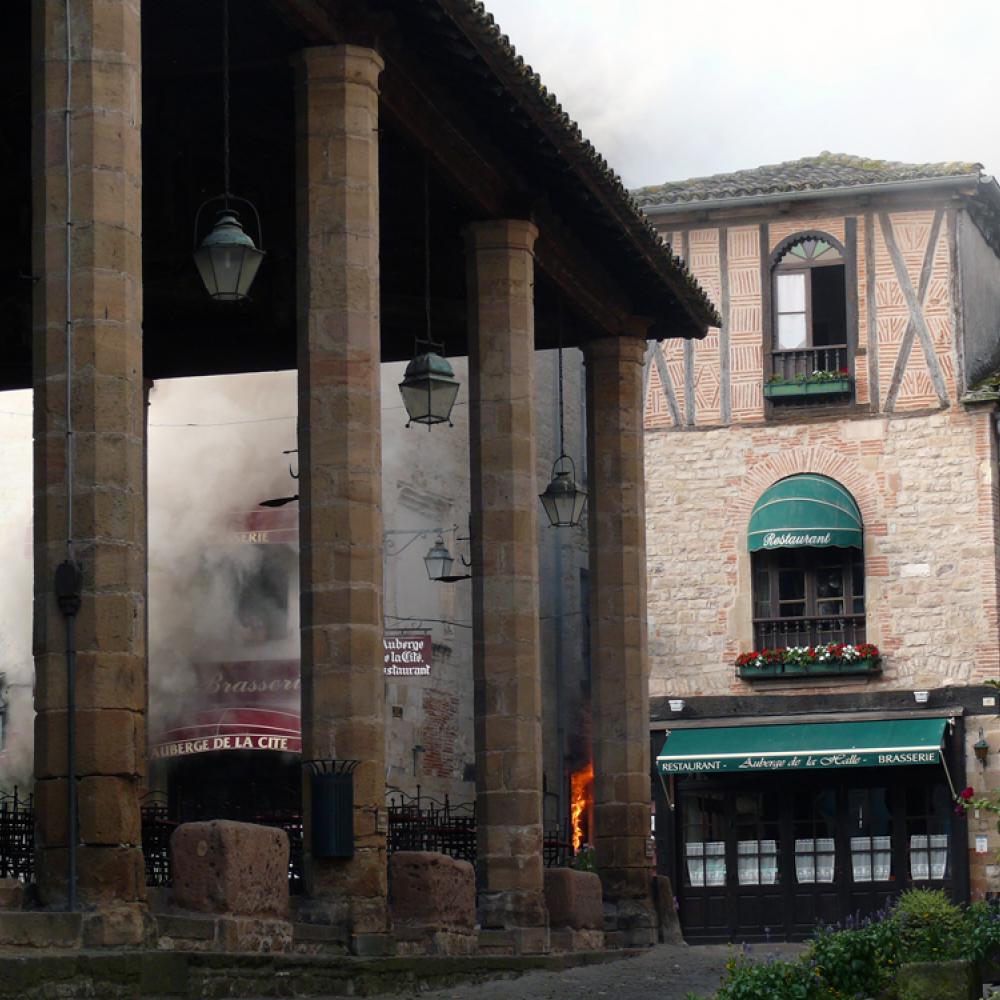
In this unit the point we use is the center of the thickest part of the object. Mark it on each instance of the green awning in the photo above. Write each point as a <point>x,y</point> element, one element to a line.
<point>802,747</point>
<point>805,510</point>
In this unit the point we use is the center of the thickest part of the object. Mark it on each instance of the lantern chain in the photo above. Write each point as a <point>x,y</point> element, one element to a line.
<point>559,333</point>
<point>225,101</point>
<point>427,249</point>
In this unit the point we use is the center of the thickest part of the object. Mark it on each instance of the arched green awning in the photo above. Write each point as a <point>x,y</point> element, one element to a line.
<point>805,510</point>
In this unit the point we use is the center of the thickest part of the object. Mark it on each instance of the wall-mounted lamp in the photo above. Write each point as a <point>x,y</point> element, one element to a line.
<point>920,697</point>
<point>676,704</point>
<point>981,748</point>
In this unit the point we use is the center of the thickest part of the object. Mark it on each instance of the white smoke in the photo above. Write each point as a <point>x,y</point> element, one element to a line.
<point>16,665</point>
<point>215,451</point>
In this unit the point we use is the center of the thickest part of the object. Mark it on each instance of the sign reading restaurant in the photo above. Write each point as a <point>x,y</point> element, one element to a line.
<point>794,539</point>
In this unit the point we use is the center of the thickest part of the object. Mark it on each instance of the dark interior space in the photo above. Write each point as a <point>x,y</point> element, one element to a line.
<point>15,197</point>
<point>829,306</point>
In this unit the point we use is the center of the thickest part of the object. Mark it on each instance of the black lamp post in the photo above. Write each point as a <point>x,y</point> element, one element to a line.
<point>227,257</point>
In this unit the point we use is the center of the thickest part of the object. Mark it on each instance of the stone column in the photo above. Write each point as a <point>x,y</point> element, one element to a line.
<point>619,664</point>
<point>100,464</point>
<point>506,662</point>
<point>340,463</point>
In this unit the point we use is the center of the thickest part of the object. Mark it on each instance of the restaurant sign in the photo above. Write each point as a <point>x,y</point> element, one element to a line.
<point>407,655</point>
<point>797,761</point>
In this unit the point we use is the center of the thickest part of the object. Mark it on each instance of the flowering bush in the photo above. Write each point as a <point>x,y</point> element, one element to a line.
<point>835,652</point>
<point>820,375</point>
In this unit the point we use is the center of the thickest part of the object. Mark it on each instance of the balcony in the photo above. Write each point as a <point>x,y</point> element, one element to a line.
<point>816,374</point>
<point>773,633</point>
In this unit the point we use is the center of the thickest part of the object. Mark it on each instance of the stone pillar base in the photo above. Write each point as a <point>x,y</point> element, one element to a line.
<point>568,939</point>
<point>352,923</point>
<point>128,925</point>
<point>222,933</point>
<point>666,911</point>
<point>515,941</point>
<point>630,923</point>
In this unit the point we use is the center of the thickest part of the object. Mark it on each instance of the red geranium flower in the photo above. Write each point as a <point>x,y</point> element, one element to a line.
<point>966,794</point>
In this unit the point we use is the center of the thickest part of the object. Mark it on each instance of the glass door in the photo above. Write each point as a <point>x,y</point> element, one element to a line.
<point>872,875</point>
<point>813,889</point>
<point>704,866</point>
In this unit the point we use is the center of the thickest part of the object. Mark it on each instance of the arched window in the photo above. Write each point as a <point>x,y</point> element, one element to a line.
<point>810,337</point>
<point>806,550</point>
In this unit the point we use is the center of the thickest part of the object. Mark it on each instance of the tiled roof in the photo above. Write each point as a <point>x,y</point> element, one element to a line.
<point>811,173</point>
<point>477,23</point>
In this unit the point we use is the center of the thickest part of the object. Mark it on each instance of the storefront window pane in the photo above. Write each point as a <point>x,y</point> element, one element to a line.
<point>704,840</point>
<point>928,826</point>
<point>870,814</point>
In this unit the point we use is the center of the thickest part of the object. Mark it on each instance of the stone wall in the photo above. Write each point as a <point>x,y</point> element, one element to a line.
<point>926,489</point>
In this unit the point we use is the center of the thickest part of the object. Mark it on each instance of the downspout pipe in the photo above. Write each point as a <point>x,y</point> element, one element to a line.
<point>68,575</point>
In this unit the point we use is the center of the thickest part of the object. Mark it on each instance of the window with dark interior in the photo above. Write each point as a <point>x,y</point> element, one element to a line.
<point>810,314</point>
<point>808,597</point>
<point>805,538</point>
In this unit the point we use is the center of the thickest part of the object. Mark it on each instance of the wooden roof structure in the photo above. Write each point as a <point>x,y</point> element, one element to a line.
<point>458,106</point>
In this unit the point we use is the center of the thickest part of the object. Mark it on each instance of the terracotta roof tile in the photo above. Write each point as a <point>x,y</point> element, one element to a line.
<point>811,173</point>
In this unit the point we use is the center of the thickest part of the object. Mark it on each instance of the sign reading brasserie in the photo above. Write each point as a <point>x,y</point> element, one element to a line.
<point>407,655</point>
<point>801,761</point>
<point>794,539</point>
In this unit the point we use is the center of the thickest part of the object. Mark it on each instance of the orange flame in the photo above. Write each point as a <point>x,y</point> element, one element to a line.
<point>581,785</point>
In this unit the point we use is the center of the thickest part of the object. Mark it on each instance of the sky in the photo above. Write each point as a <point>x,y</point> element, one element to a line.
<point>668,90</point>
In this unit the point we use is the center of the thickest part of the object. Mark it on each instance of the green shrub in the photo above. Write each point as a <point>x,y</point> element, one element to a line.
<point>929,927</point>
<point>858,961</point>
<point>768,979</point>
<point>982,931</point>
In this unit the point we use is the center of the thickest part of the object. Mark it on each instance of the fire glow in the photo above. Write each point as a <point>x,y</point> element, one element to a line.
<point>581,786</point>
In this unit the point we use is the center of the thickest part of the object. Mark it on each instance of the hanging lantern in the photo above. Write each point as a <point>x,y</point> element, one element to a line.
<point>438,561</point>
<point>563,500</point>
<point>429,388</point>
<point>227,259</point>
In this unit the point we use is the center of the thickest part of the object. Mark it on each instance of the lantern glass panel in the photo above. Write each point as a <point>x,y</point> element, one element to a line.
<point>438,562</point>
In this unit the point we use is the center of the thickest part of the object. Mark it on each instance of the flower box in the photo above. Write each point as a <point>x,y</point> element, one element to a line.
<point>824,387</point>
<point>820,668</point>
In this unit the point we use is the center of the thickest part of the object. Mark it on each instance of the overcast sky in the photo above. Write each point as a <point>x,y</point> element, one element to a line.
<point>668,90</point>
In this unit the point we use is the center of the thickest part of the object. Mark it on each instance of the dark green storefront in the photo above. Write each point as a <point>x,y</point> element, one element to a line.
<point>779,827</point>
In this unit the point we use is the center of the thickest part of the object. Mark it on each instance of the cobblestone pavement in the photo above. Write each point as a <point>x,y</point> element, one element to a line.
<point>667,972</point>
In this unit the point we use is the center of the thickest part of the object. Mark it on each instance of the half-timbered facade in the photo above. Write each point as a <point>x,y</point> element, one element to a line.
<point>822,522</point>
